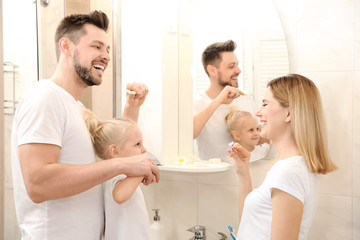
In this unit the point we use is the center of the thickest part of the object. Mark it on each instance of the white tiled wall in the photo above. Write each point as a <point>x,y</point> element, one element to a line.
<point>324,43</point>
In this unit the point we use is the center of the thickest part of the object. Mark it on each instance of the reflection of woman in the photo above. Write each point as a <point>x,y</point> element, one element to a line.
<point>284,205</point>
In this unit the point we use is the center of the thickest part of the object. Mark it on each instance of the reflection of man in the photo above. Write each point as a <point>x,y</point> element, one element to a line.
<point>211,107</point>
<point>57,181</point>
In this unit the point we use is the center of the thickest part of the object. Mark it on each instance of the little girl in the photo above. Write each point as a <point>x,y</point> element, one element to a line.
<point>126,216</point>
<point>244,129</point>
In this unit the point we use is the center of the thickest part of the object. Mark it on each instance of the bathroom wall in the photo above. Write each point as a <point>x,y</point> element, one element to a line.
<point>2,162</point>
<point>105,90</point>
<point>324,45</point>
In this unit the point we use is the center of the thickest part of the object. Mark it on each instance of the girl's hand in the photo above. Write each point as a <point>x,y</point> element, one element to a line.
<point>241,157</point>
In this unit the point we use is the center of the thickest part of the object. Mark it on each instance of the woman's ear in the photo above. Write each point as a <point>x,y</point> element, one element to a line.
<point>288,117</point>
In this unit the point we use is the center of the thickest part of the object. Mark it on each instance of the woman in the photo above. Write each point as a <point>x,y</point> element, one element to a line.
<point>283,207</point>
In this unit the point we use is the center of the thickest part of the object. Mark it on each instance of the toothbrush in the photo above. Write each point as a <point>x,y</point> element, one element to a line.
<point>231,230</point>
<point>130,92</point>
<point>231,146</point>
<point>247,93</point>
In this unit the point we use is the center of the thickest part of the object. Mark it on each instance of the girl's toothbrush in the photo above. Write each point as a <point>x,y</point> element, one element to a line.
<point>130,92</point>
<point>231,230</point>
<point>231,146</point>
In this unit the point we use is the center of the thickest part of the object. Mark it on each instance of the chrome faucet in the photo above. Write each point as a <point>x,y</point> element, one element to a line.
<point>223,236</point>
<point>199,231</point>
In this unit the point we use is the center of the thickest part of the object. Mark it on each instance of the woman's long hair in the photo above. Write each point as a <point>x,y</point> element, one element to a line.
<point>307,119</point>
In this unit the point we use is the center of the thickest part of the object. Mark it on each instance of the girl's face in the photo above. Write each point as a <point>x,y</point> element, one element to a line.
<point>249,133</point>
<point>133,146</point>
<point>273,117</point>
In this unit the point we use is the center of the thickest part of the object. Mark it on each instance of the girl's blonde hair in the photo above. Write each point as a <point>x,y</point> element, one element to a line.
<point>104,134</point>
<point>307,119</point>
<point>234,119</point>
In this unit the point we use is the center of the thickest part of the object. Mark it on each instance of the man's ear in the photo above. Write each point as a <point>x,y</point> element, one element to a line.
<point>65,46</point>
<point>288,117</point>
<point>211,70</point>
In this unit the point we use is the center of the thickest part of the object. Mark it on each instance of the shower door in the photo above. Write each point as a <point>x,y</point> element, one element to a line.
<point>22,52</point>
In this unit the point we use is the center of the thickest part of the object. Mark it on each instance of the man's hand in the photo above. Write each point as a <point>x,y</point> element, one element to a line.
<point>137,95</point>
<point>141,165</point>
<point>228,94</point>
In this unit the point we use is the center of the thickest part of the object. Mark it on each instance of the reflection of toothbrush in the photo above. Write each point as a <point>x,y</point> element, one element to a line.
<point>130,92</point>
<point>247,93</point>
<point>231,230</point>
<point>231,146</point>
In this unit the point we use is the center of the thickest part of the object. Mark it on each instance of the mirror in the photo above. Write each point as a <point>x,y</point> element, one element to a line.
<point>164,52</point>
<point>261,51</point>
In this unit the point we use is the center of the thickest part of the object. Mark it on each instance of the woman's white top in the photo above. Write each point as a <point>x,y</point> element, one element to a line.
<point>128,220</point>
<point>291,176</point>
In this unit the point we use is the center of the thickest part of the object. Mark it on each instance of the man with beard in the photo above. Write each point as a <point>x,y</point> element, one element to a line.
<point>212,106</point>
<point>57,181</point>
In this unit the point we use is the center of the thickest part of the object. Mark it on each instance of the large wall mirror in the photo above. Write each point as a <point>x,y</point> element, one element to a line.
<point>261,45</point>
<point>160,44</point>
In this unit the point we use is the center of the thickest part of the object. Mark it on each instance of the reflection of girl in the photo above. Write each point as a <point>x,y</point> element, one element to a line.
<point>244,128</point>
<point>125,211</point>
<point>283,206</point>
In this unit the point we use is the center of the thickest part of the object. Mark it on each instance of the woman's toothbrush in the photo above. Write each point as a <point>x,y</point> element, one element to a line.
<point>231,230</point>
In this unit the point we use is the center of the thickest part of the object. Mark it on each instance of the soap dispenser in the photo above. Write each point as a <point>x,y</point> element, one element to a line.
<point>156,228</point>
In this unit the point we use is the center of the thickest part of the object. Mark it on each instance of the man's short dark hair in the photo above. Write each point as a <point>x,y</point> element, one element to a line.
<point>72,26</point>
<point>211,54</point>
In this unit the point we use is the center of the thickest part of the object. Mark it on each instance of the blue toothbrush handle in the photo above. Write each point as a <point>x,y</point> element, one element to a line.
<point>232,236</point>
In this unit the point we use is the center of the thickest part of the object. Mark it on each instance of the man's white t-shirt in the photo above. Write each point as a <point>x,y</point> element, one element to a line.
<point>128,220</point>
<point>48,114</point>
<point>214,138</point>
<point>291,176</point>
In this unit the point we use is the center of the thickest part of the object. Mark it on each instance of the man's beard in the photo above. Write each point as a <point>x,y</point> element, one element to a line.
<point>224,83</point>
<point>83,72</point>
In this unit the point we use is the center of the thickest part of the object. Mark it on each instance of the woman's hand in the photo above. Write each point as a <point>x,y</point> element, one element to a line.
<point>241,157</point>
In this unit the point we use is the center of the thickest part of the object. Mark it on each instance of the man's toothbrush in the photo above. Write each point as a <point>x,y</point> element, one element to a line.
<point>130,92</point>
<point>231,230</point>
<point>247,93</point>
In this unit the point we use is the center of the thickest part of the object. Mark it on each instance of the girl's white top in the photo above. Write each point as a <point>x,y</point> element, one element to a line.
<point>291,176</point>
<point>128,220</point>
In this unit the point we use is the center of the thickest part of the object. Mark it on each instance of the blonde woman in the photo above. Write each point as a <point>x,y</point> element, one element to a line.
<point>284,205</point>
<point>126,216</point>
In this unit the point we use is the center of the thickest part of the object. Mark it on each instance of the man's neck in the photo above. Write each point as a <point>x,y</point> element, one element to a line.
<point>67,80</point>
<point>214,90</point>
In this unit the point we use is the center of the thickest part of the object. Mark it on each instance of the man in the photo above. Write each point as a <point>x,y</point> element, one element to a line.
<point>211,107</point>
<point>57,181</point>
